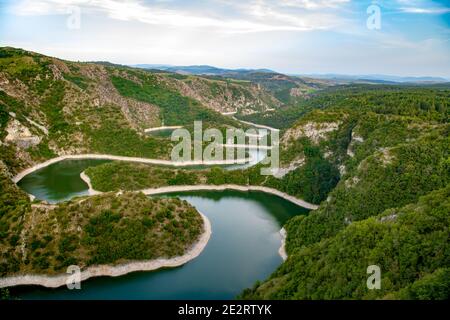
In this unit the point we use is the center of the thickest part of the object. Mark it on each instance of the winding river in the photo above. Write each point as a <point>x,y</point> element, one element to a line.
<point>243,247</point>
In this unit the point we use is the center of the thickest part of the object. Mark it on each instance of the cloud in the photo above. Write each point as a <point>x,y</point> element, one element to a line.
<point>313,4</point>
<point>425,10</point>
<point>254,16</point>
<point>423,6</point>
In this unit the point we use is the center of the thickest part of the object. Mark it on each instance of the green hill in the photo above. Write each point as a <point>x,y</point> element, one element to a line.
<point>50,107</point>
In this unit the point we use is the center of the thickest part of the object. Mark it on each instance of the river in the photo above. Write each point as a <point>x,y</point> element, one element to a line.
<point>243,247</point>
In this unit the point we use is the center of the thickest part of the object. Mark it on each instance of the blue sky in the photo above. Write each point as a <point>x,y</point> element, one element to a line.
<point>292,36</point>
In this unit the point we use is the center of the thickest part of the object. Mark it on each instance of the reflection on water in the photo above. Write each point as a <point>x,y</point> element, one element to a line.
<point>59,181</point>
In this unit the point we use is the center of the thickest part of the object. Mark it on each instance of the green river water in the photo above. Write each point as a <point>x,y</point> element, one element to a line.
<point>243,247</point>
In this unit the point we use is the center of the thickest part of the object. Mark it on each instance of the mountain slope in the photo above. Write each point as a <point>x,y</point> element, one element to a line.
<point>285,89</point>
<point>199,70</point>
<point>52,107</point>
<point>392,149</point>
<point>410,244</point>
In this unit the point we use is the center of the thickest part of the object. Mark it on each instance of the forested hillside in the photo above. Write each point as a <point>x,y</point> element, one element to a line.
<point>51,107</point>
<point>375,158</point>
<point>410,244</point>
<point>430,102</point>
<point>390,207</point>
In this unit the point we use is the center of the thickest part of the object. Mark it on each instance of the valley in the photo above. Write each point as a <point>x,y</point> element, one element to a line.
<point>363,179</point>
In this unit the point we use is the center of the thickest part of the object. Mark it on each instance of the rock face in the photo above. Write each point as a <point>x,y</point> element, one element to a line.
<point>315,131</point>
<point>386,157</point>
<point>342,170</point>
<point>226,97</point>
<point>351,182</point>
<point>355,139</point>
<point>20,135</point>
<point>140,115</point>
<point>282,171</point>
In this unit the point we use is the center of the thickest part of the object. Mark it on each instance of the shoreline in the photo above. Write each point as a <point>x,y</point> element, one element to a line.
<point>115,270</point>
<point>222,187</point>
<point>167,189</point>
<point>87,180</point>
<point>246,146</point>
<point>42,165</point>
<point>205,187</point>
<point>162,128</point>
<point>261,126</point>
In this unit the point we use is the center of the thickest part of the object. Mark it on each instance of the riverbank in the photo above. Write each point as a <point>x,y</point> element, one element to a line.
<point>246,146</point>
<point>115,270</point>
<point>203,187</point>
<point>299,202</point>
<point>87,180</point>
<point>162,128</point>
<point>256,125</point>
<point>25,172</point>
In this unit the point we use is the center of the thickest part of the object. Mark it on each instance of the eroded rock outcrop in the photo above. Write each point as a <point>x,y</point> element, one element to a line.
<point>315,131</point>
<point>20,135</point>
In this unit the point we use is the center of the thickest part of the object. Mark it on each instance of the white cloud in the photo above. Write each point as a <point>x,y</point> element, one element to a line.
<point>256,16</point>
<point>425,10</point>
<point>313,4</point>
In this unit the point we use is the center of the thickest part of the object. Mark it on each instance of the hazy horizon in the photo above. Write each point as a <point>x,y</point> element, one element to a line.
<point>287,73</point>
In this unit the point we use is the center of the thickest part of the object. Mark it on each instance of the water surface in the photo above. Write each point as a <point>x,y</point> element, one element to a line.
<point>59,181</point>
<point>243,247</point>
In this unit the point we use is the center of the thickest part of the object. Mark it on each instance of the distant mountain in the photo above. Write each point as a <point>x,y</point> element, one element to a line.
<point>378,78</point>
<point>284,88</point>
<point>199,70</point>
<point>207,70</point>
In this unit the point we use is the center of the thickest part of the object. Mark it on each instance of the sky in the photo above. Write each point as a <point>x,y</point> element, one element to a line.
<point>397,37</point>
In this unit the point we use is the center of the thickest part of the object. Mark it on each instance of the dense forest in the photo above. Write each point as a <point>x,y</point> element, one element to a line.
<point>409,244</point>
<point>427,102</point>
<point>389,207</point>
<point>380,174</point>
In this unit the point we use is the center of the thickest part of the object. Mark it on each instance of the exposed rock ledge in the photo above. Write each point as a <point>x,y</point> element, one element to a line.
<point>282,250</point>
<point>20,135</point>
<point>114,270</point>
<point>282,171</point>
<point>314,131</point>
